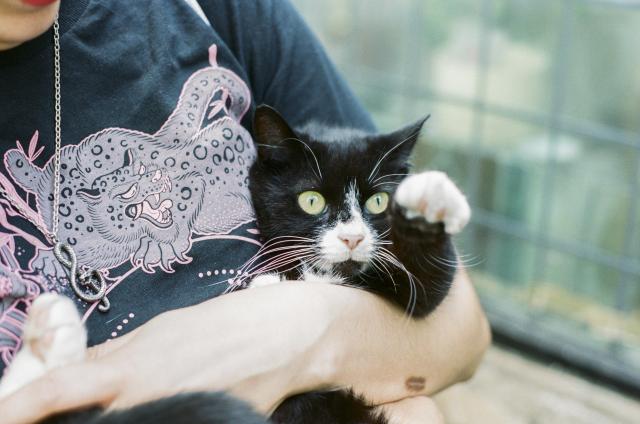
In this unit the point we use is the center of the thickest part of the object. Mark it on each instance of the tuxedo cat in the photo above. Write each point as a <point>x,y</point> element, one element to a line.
<point>337,205</point>
<point>332,205</point>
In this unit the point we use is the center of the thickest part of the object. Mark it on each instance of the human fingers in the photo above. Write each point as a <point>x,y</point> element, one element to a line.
<point>62,389</point>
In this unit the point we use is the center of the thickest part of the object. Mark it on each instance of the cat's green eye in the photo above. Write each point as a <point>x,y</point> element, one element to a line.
<point>311,202</point>
<point>377,203</point>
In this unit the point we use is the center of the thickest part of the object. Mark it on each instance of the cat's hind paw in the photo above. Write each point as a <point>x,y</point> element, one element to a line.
<point>53,336</point>
<point>54,331</point>
<point>434,197</point>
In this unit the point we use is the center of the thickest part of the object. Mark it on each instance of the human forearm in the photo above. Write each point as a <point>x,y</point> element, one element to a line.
<point>256,344</point>
<point>381,353</point>
<point>266,344</point>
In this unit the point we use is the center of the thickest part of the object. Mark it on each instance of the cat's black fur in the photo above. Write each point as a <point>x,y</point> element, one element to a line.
<point>328,161</point>
<point>191,408</point>
<point>290,162</point>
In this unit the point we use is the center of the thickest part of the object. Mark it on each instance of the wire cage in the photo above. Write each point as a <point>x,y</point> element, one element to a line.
<point>536,114</point>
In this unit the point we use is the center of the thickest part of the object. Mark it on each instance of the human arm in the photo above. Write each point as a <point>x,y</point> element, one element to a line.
<point>390,355</point>
<point>265,344</point>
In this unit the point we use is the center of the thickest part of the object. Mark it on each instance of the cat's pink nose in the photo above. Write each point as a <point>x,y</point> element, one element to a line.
<point>351,241</point>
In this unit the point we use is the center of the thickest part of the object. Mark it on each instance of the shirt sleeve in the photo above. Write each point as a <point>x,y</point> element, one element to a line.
<point>285,63</point>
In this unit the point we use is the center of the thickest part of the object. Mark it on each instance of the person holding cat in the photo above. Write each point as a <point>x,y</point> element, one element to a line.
<point>149,191</point>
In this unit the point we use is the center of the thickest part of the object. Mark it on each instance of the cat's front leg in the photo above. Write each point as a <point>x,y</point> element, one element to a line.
<point>53,336</point>
<point>427,209</point>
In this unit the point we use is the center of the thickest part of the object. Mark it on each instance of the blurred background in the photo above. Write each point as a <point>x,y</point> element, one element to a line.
<point>535,112</point>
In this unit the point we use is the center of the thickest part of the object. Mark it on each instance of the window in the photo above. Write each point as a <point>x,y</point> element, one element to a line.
<point>536,113</point>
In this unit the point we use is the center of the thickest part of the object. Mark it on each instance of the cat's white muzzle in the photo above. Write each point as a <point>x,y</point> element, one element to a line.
<point>352,240</point>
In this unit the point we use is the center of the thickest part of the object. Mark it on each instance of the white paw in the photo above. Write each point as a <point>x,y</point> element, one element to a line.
<point>54,330</point>
<point>435,197</point>
<point>53,336</point>
<point>263,280</point>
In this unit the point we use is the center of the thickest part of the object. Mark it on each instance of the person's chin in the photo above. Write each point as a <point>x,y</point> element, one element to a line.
<point>21,22</point>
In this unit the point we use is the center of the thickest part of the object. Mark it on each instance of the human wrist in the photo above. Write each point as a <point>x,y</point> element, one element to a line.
<point>317,367</point>
<point>296,322</point>
<point>326,363</point>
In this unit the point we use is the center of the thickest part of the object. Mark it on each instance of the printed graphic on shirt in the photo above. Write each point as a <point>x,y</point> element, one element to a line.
<point>16,292</point>
<point>128,196</point>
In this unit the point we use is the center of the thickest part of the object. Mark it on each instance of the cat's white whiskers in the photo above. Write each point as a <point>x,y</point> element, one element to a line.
<point>258,261</point>
<point>376,168</point>
<point>413,292</point>
<point>386,271</point>
<point>272,250</point>
<point>380,241</point>
<point>389,176</point>
<point>319,174</point>
<point>269,247</point>
<point>288,237</point>
<point>383,183</point>
<point>266,268</point>
<point>217,283</point>
<point>318,263</point>
<point>274,259</point>
<point>281,240</point>
<point>278,264</point>
<point>444,261</point>
<point>469,260</point>
<point>436,265</point>
<point>280,256</point>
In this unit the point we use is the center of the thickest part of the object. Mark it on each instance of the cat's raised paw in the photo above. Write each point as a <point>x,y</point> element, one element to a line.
<point>433,196</point>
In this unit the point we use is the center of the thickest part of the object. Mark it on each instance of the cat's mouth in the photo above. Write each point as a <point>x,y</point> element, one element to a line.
<point>349,268</point>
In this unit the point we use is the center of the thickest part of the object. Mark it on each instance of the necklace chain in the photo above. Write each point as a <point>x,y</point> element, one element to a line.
<point>88,284</point>
<point>58,132</point>
<point>51,235</point>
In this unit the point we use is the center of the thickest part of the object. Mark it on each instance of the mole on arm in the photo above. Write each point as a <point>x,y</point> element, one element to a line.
<point>415,384</point>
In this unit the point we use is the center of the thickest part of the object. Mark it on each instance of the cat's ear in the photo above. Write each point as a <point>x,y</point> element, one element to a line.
<point>270,130</point>
<point>399,144</point>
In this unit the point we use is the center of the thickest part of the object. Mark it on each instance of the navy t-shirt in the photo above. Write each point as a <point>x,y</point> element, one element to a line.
<point>156,111</point>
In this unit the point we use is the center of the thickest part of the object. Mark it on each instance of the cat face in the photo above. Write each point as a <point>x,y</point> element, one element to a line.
<point>322,195</point>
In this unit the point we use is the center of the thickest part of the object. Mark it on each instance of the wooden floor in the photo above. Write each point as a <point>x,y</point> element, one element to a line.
<point>509,388</point>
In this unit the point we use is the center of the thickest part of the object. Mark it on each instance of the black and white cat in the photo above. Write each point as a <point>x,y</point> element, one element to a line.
<point>338,205</point>
<point>326,200</point>
<point>333,205</point>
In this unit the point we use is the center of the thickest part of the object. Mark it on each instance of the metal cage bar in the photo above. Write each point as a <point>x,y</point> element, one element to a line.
<point>511,322</point>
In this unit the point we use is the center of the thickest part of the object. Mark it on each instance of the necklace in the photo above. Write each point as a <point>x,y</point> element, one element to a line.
<point>88,284</point>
